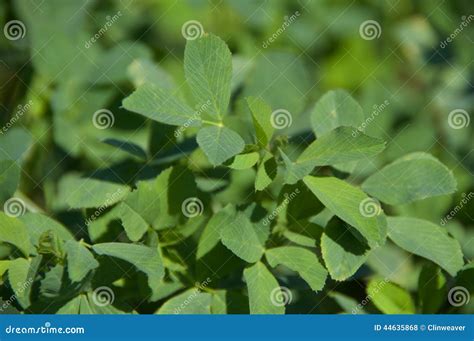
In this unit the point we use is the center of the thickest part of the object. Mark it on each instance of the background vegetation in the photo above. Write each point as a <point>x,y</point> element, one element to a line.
<point>70,153</point>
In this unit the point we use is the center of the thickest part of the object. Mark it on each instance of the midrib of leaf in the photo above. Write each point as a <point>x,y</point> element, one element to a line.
<point>203,71</point>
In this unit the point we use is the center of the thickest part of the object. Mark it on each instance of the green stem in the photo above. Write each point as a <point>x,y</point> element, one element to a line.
<point>217,124</point>
<point>85,244</point>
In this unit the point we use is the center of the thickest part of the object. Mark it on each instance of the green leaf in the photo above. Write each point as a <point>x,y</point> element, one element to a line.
<point>413,177</point>
<point>9,178</point>
<point>212,232</point>
<point>341,145</point>
<point>219,302</point>
<point>66,55</point>
<point>87,192</point>
<point>295,171</point>
<point>263,290</point>
<point>135,226</point>
<point>390,298</point>
<point>143,70</point>
<point>21,275</point>
<point>14,232</point>
<point>300,260</point>
<point>281,79</point>
<point>241,237</point>
<point>56,284</point>
<point>71,308</point>
<point>347,303</point>
<point>94,308</point>
<point>261,115</point>
<point>79,260</point>
<point>208,70</point>
<point>165,289</point>
<point>342,251</point>
<point>266,172</point>
<point>161,105</point>
<point>219,143</point>
<point>15,144</point>
<point>300,239</point>
<point>37,224</point>
<point>192,301</point>
<point>431,289</point>
<point>173,187</point>
<point>4,264</point>
<point>145,259</point>
<point>336,108</point>
<point>351,205</point>
<point>427,240</point>
<point>244,161</point>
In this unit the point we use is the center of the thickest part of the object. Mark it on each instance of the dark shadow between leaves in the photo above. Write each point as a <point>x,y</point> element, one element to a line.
<point>347,237</point>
